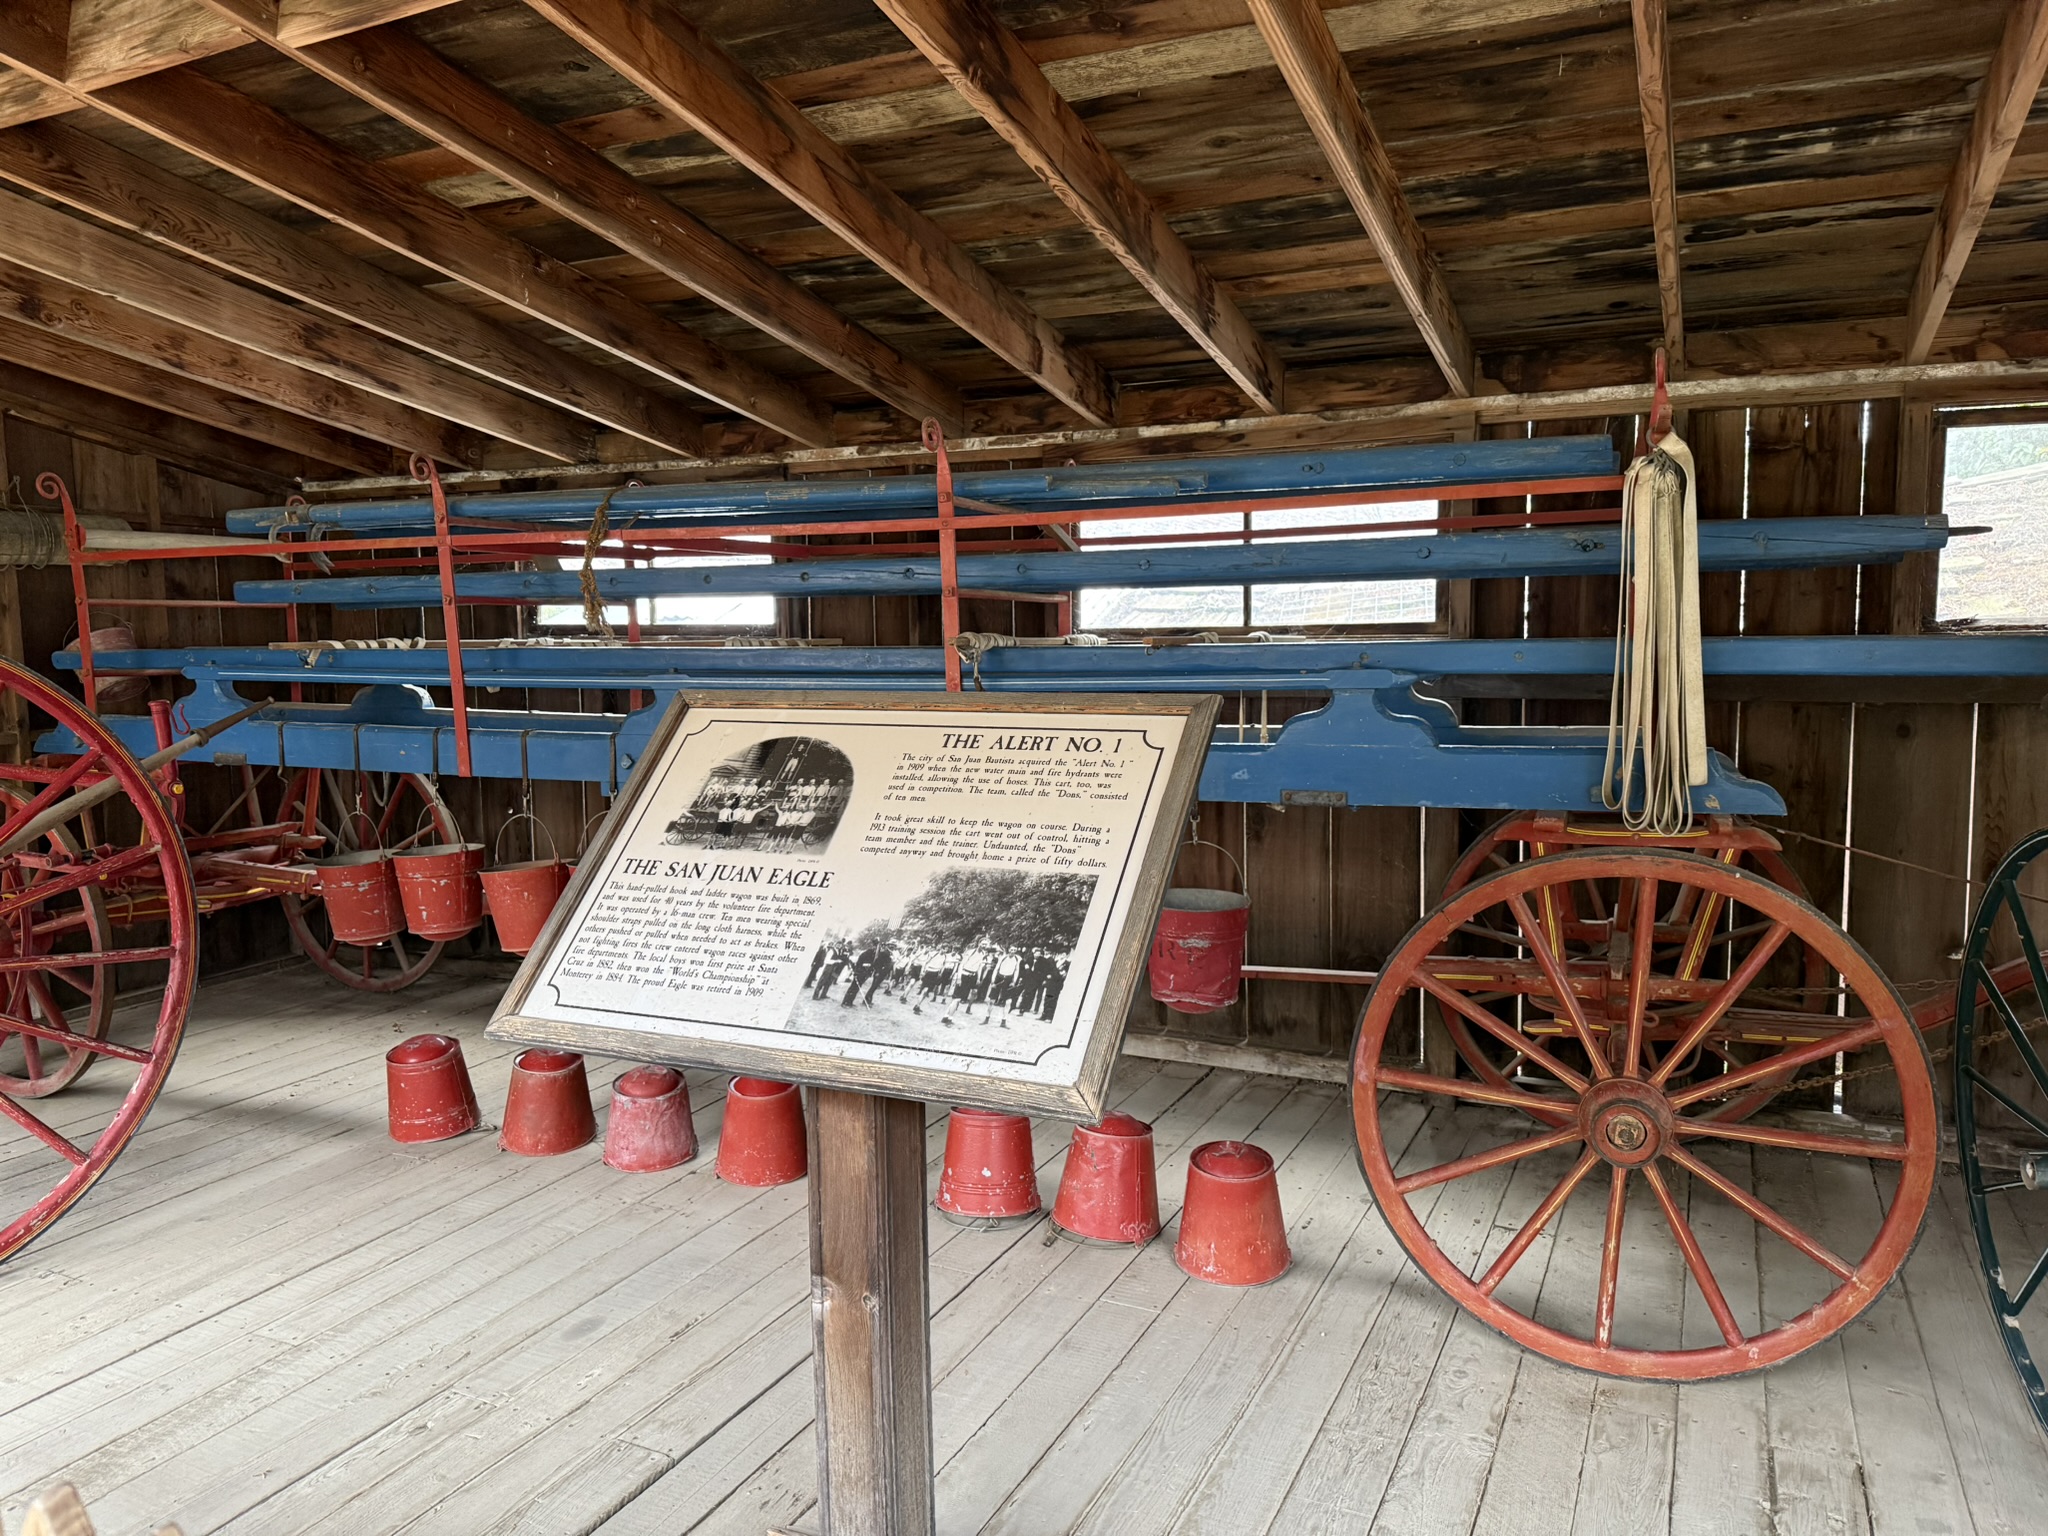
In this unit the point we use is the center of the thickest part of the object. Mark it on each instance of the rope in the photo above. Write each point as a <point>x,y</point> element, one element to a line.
<point>593,605</point>
<point>30,540</point>
<point>1885,858</point>
<point>1657,706</point>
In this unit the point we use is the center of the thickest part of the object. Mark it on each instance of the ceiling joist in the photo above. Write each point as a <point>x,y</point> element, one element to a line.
<point>2003,102</point>
<point>997,76</point>
<point>401,76</point>
<point>689,75</point>
<point>1653,89</point>
<point>59,162</point>
<point>1315,72</point>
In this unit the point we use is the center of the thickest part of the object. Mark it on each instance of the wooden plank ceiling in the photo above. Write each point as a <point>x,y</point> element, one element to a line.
<point>517,235</point>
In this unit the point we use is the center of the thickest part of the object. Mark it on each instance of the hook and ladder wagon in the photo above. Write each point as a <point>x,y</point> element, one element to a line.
<point>1625,1008</point>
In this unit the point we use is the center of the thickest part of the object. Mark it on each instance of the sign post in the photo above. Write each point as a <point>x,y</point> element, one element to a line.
<point>892,899</point>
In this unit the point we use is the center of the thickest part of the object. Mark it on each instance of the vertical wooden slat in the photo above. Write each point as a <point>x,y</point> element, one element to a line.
<point>1498,607</point>
<point>1288,872</point>
<point>1567,606</point>
<point>1720,449</point>
<point>13,717</point>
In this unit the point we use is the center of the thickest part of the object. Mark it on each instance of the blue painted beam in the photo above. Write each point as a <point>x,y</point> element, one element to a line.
<point>1592,550</point>
<point>1426,467</point>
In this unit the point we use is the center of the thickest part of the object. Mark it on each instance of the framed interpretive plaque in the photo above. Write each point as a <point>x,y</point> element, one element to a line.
<point>944,897</point>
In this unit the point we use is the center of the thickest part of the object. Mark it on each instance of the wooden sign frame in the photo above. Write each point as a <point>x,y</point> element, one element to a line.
<point>1167,802</point>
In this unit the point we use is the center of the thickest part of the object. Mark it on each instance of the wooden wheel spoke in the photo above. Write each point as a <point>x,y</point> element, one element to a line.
<point>30,1030</point>
<point>1507,1034</point>
<point>1553,970</point>
<point>1533,1228</point>
<point>1695,1259</point>
<point>47,796</point>
<point>1610,1257</point>
<point>31,1056</point>
<point>1479,1093</point>
<point>1723,999</point>
<point>1642,944</point>
<point>54,1140</point>
<point>1839,1043</point>
<point>90,873</point>
<point>2040,1126</point>
<point>1479,1162</point>
<point>1796,1141</point>
<point>10,963</point>
<point>1761,1213</point>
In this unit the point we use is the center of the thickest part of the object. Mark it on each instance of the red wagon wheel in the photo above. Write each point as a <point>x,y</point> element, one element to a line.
<point>1602,1115</point>
<point>1711,930</point>
<point>57,1149</point>
<point>352,812</point>
<point>75,998</point>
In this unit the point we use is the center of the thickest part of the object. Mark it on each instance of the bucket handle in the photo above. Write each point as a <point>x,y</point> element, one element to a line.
<point>583,839</point>
<point>498,842</point>
<point>1196,840</point>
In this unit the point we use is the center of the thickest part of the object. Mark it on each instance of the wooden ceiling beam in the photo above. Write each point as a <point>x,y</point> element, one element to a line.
<point>1315,72</point>
<point>89,174</point>
<point>2003,102</point>
<point>997,76</point>
<point>121,422</point>
<point>651,44</point>
<point>1653,90</point>
<point>248,139</point>
<point>147,277</point>
<point>91,320</point>
<point>401,76</point>
<point>53,352</point>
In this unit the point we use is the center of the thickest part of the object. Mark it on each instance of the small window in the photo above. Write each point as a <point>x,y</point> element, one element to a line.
<point>1304,605</point>
<point>713,611</point>
<point>1996,477</point>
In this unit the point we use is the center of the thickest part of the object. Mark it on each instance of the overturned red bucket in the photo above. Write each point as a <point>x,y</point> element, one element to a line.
<point>360,893</point>
<point>990,1175</point>
<point>1231,1231</point>
<point>428,1089</point>
<point>1109,1192</point>
<point>761,1142</point>
<point>438,884</point>
<point>547,1105</point>
<point>1197,959</point>
<point>649,1128</point>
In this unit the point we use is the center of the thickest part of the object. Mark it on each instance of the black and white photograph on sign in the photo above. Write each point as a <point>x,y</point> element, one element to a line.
<point>974,949</point>
<point>786,793</point>
<point>942,897</point>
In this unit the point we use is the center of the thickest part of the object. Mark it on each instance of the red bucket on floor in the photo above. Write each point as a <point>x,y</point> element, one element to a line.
<point>1231,1231</point>
<point>428,1089</point>
<point>990,1175</point>
<point>360,892</point>
<point>1197,959</point>
<point>521,896</point>
<point>438,883</point>
<point>547,1106</point>
<point>1109,1192</point>
<point>649,1128</point>
<point>761,1142</point>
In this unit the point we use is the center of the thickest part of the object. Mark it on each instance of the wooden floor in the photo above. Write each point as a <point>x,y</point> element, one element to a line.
<point>268,1318</point>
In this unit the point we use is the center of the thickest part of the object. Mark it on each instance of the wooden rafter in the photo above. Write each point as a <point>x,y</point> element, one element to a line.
<point>94,177</point>
<point>401,76</point>
<point>242,136</point>
<point>91,320</point>
<point>997,75</point>
<point>2003,102</point>
<point>1315,72</point>
<point>148,278</point>
<point>691,76</point>
<point>1653,90</point>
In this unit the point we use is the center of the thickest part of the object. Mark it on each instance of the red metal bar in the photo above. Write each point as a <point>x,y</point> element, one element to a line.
<point>451,628</point>
<point>51,487</point>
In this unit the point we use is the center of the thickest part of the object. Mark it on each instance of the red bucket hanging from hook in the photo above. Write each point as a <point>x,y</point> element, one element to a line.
<point>1197,959</point>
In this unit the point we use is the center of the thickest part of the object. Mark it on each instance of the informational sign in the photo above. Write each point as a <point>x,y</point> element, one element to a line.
<point>940,897</point>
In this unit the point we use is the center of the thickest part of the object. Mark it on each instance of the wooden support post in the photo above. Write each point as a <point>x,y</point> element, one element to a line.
<point>870,1314</point>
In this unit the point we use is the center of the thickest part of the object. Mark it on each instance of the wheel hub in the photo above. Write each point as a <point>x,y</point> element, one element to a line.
<point>1625,1121</point>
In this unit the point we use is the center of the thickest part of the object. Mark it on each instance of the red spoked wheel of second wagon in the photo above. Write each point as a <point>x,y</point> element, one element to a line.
<point>1589,1204</point>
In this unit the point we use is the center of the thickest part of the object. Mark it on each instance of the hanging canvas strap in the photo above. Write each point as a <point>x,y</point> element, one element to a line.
<point>1656,723</point>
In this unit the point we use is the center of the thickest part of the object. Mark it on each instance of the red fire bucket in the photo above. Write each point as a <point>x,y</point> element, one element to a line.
<point>519,897</point>
<point>990,1175</point>
<point>1231,1231</point>
<point>428,1088</point>
<point>1109,1192</point>
<point>547,1105</point>
<point>438,883</point>
<point>1197,959</point>
<point>119,687</point>
<point>762,1141</point>
<point>649,1128</point>
<point>360,892</point>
